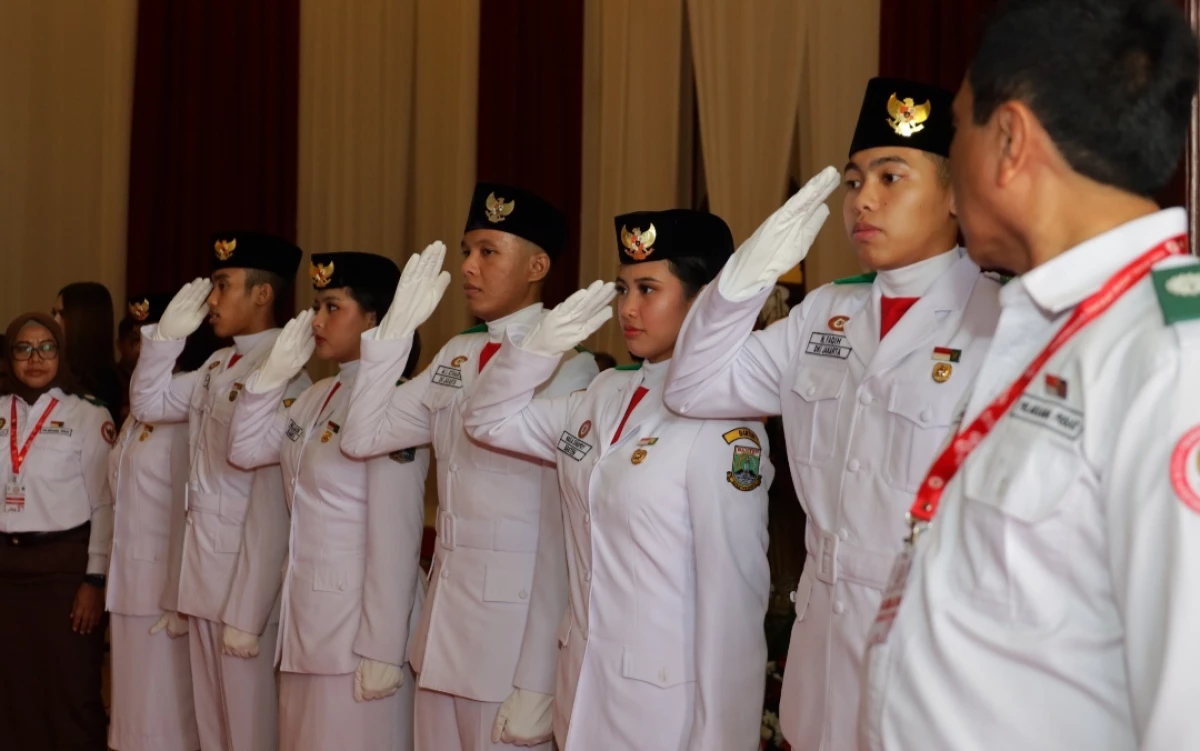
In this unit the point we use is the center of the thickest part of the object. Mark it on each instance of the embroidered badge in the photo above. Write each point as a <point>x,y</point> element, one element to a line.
<point>403,457</point>
<point>1185,469</point>
<point>237,389</point>
<point>1044,413</point>
<point>224,249</point>
<point>745,474</point>
<point>321,275</point>
<point>639,456</point>
<point>945,354</point>
<point>838,323</point>
<point>497,209</point>
<point>585,428</point>
<point>1056,386</point>
<point>827,345</point>
<point>573,446</point>
<point>456,362</point>
<point>638,245</point>
<point>907,118</point>
<point>109,432</point>
<point>449,377</point>
<point>294,431</point>
<point>942,372</point>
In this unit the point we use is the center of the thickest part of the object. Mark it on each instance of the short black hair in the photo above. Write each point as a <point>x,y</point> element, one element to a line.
<point>1111,81</point>
<point>280,288</point>
<point>695,272</point>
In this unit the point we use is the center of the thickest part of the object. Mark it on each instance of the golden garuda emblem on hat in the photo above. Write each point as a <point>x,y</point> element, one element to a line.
<point>497,209</point>
<point>638,245</point>
<point>907,118</point>
<point>139,311</point>
<point>224,249</point>
<point>321,275</point>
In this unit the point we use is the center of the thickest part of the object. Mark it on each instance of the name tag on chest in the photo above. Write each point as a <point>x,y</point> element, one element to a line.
<point>294,431</point>
<point>446,376</point>
<point>573,447</point>
<point>1059,418</point>
<point>827,345</point>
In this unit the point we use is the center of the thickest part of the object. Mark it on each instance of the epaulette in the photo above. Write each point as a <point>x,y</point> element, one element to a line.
<point>582,349</point>
<point>630,366</point>
<point>1178,291</point>
<point>996,276</point>
<point>98,402</point>
<point>479,328</point>
<point>401,380</point>
<point>866,278</point>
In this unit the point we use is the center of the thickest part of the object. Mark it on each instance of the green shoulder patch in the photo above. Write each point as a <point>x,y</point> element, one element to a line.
<point>94,400</point>
<point>401,380</point>
<point>1178,290</point>
<point>582,349</point>
<point>996,276</point>
<point>866,278</point>
<point>630,366</point>
<point>479,328</point>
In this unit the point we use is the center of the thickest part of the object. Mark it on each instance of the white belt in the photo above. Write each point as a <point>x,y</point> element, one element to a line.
<point>838,560</point>
<point>507,536</point>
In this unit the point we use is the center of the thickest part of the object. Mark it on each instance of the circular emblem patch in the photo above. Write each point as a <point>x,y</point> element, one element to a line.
<point>942,371</point>
<point>1184,285</point>
<point>638,457</point>
<point>458,361</point>
<point>109,432</point>
<point>1185,469</point>
<point>585,428</point>
<point>838,323</point>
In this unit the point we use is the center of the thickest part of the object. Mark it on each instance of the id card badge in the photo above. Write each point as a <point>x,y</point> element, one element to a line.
<point>891,598</point>
<point>14,496</point>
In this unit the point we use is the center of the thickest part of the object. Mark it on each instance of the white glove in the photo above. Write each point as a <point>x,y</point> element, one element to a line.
<point>781,242</point>
<point>175,624</point>
<point>237,643</point>
<point>572,320</point>
<point>526,718</point>
<point>422,284</point>
<point>376,680</point>
<point>293,347</point>
<point>186,311</point>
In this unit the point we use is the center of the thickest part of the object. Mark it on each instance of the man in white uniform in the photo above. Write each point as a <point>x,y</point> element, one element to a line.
<point>234,687</point>
<point>866,373</point>
<point>1052,596</point>
<point>498,588</point>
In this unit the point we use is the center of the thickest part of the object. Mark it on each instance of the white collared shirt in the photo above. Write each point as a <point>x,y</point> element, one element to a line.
<point>1051,604</point>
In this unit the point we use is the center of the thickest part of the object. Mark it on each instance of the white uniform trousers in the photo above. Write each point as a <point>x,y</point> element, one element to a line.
<point>452,723</point>
<point>152,707</point>
<point>237,707</point>
<point>318,713</point>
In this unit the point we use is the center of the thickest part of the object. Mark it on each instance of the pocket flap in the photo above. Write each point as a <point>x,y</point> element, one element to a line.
<point>150,548</point>
<point>814,384</point>
<point>505,585</point>
<point>437,397</point>
<point>926,407</point>
<point>338,578</point>
<point>1028,485</point>
<point>663,668</point>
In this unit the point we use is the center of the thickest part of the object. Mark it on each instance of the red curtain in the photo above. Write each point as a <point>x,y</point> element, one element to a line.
<point>214,133</point>
<point>531,111</point>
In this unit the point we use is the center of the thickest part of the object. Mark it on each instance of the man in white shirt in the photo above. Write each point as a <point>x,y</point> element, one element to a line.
<point>1052,592</point>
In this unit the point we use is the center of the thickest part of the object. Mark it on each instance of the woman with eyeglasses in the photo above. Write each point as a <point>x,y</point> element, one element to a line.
<point>56,528</point>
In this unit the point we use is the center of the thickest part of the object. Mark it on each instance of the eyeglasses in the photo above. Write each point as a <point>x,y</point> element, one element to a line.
<point>22,351</point>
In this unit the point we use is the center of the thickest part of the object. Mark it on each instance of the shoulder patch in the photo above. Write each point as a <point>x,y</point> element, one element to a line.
<point>866,278</point>
<point>401,380</point>
<point>996,276</point>
<point>630,366</point>
<point>479,328</point>
<point>745,472</point>
<point>582,349</point>
<point>1178,291</point>
<point>98,402</point>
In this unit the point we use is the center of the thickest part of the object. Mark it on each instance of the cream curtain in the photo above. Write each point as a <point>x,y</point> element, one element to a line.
<point>633,150</point>
<point>66,80</point>
<point>842,54</point>
<point>748,69</point>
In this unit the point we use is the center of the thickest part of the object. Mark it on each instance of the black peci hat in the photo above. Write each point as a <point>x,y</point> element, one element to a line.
<point>903,113</point>
<point>351,269</point>
<point>518,212</point>
<point>644,236</point>
<point>255,250</point>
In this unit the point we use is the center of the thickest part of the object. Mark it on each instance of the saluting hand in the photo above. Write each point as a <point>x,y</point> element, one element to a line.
<point>422,284</point>
<point>571,321</point>
<point>781,242</point>
<point>186,311</point>
<point>88,608</point>
<point>293,347</point>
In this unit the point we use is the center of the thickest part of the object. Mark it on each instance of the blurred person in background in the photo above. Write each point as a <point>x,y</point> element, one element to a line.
<point>84,311</point>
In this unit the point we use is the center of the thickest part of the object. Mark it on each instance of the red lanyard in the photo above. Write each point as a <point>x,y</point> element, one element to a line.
<point>18,457</point>
<point>953,456</point>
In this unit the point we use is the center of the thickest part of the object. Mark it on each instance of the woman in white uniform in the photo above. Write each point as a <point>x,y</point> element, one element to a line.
<point>152,704</point>
<point>662,647</point>
<point>352,584</point>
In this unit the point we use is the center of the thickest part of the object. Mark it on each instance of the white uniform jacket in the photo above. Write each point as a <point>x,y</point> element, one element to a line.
<point>147,472</point>
<point>662,644</point>
<point>65,471</point>
<point>353,573</point>
<point>220,514</point>
<point>498,515</point>
<point>863,421</point>
<point>1053,603</point>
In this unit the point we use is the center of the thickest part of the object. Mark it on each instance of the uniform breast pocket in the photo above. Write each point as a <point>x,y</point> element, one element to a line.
<point>1016,533</point>
<point>918,424</point>
<point>813,418</point>
<point>507,585</point>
